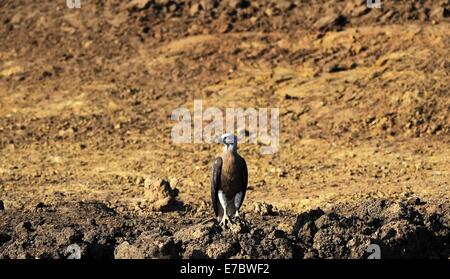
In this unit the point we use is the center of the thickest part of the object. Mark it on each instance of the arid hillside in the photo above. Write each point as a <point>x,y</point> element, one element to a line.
<point>86,97</point>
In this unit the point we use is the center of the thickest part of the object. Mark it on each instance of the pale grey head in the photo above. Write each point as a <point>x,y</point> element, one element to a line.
<point>230,142</point>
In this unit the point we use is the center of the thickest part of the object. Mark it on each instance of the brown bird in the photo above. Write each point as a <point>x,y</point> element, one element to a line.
<point>229,181</point>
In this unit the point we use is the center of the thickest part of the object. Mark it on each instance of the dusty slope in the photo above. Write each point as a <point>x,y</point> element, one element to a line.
<point>86,97</point>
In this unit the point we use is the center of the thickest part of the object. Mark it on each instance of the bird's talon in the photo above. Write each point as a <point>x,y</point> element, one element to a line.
<point>225,222</point>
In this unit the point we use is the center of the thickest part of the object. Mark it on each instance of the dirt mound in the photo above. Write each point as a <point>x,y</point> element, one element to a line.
<point>402,230</point>
<point>160,196</point>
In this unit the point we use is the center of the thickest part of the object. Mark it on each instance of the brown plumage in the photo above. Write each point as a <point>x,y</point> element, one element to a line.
<point>229,180</point>
<point>232,178</point>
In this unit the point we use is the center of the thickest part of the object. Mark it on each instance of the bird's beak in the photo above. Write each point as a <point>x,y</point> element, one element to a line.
<point>219,139</point>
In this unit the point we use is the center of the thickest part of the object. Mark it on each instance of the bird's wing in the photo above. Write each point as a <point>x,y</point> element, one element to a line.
<point>243,167</point>
<point>215,183</point>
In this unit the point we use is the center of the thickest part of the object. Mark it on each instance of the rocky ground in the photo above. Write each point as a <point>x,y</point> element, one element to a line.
<point>411,228</point>
<point>86,97</point>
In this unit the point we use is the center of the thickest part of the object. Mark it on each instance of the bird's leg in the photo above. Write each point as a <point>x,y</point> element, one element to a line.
<point>236,214</point>
<point>223,203</point>
<point>225,221</point>
<point>237,203</point>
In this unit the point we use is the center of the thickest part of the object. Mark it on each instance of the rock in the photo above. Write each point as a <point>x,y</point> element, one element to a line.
<point>306,232</point>
<point>327,220</point>
<point>173,7</point>
<point>40,205</point>
<point>257,234</point>
<point>22,229</point>
<point>162,2</point>
<point>196,232</point>
<point>223,249</point>
<point>139,181</point>
<point>127,251</point>
<point>90,236</point>
<point>285,226</point>
<point>4,238</point>
<point>239,226</point>
<point>223,24</point>
<point>285,5</point>
<point>310,254</point>
<point>68,236</point>
<point>154,245</point>
<point>139,4</point>
<point>307,217</point>
<point>329,21</point>
<point>66,133</point>
<point>277,233</point>
<point>387,233</point>
<point>263,208</point>
<point>194,253</point>
<point>207,5</point>
<point>358,246</point>
<point>414,201</point>
<point>402,239</point>
<point>194,9</point>
<point>275,248</point>
<point>238,4</point>
<point>355,9</point>
<point>329,244</point>
<point>439,13</point>
<point>149,246</point>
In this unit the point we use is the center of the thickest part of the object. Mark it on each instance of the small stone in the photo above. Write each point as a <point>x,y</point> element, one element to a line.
<point>414,201</point>
<point>223,249</point>
<point>67,236</point>
<point>195,232</point>
<point>22,229</point>
<point>127,251</point>
<point>194,253</point>
<point>389,233</point>
<point>40,205</point>
<point>140,4</point>
<point>4,238</point>
<point>329,21</point>
<point>277,233</point>
<point>439,13</point>
<point>140,181</point>
<point>195,8</point>
<point>173,7</point>
<point>238,4</point>
<point>263,208</point>
<point>239,226</point>
<point>223,24</point>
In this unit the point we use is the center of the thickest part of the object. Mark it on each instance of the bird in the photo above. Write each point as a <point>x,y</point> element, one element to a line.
<point>229,181</point>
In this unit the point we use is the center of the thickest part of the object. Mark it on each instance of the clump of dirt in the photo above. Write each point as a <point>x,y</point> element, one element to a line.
<point>160,196</point>
<point>263,208</point>
<point>402,230</point>
<point>149,245</point>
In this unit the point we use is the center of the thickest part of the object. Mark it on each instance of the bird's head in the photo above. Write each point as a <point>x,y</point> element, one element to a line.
<point>230,141</point>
